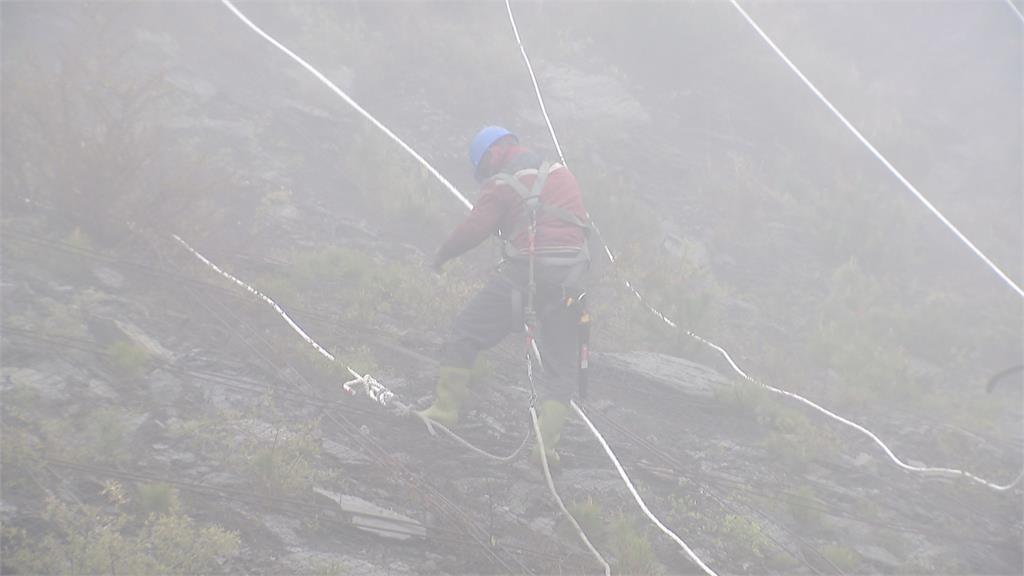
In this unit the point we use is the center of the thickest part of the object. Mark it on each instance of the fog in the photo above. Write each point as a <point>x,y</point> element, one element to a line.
<point>165,406</point>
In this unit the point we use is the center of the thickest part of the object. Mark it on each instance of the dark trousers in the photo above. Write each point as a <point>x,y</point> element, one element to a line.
<point>498,310</point>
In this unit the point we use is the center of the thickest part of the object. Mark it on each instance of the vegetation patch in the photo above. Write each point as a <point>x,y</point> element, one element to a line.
<point>127,359</point>
<point>631,548</point>
<point>841,557</point>
<point>631,551</point>
<point>96,436</point>
<point>87,539</point>
<point>277,456</point>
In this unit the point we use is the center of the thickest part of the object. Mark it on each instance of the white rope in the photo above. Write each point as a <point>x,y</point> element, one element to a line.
<point>432,424</point>
<point>561,156</point>
<point>611,258</point>
<point>466,202</point>
<point>636,496</point>
<point>935,211</point>
<point>949,472</point>
<point>533,354</point>
<point>728,357</point>
<point>373,389</point>
<point>350,102</point>
<point>952,472</point>
<point>365,379</point>
<point>1015,10</point>
<point>558,499</point>
<point>536,87</point>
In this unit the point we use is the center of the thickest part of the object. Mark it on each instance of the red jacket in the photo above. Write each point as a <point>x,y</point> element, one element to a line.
<point>500,209</point>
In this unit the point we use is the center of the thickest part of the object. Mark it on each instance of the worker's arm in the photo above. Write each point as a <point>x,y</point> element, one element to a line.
<point>482,222</point>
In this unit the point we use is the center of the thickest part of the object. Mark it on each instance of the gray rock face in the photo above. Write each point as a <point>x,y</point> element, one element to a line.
<point>109,278</point>
<point>591,98</point>
<point>675,373</point>
<point>314,562</point>
<point>149,343</point>
<point>371,518</point>
<point>343,453</point>
<point>49,382</point>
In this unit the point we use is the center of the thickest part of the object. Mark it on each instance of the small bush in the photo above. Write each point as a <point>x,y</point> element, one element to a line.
<point>798,503</point>
<point>158,498</point>
<point>794,439</point>
<point>744,534</point>
<point>286,466</point>
<point>632,550</point>
<point>71,265</point>
<point>177,543</point>
<point>86,540</point>
<point>590,518</point>
<point>841,557</point>
<point>397,190</point>
<point>745,398</point>
<point>358,289</point>
<point>19,459</point>
<point>98,436</point>
<point>278,457</point>
<point>60,320</point>
<point>127,359</point>
<point>328,568</point>
<point>856,334</point>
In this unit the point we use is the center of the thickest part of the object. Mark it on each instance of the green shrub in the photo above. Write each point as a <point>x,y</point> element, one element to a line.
<point>328,568</point>
<point>744,534</point>
<point>841,557</point>
<point>794,439</point>
<point>71,265</point>
<point>799,504</point>
<point>60,320</point>
<point>745,398</point>
<point>285,466</point>
<point>98,436</point>
<point>177,543</point>
<point>20,459</point>
<point>157,498</point>
<point>275,455</point>
<point>632,550</point>
<point>127,359</point>
<point>856,332</point>
<point>391,186</point>
<point>354,288</point>
<point>590,518</point>
<point>87,540</point>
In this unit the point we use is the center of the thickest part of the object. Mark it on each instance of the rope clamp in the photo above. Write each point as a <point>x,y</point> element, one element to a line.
<point>373,389</point>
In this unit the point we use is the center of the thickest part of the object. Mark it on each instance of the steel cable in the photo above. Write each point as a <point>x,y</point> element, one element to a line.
<point>892,456</point>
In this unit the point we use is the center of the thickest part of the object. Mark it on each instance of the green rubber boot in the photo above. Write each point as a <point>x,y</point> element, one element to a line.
<point>550,421</point>
<point>481,373</point>
<point>452,390</point>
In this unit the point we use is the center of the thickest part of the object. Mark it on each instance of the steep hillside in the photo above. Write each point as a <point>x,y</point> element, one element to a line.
<point>157,418</point>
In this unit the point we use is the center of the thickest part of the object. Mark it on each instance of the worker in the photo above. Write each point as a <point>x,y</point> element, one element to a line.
<point>522,198</point>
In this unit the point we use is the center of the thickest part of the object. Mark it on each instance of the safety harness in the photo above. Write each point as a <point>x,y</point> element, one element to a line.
<point>570,256</point>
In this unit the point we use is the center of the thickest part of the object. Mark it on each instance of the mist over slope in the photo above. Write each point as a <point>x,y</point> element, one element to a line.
<point>733,199</point>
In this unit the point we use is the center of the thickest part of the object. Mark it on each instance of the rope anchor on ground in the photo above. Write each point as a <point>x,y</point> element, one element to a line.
<point>373,389</point>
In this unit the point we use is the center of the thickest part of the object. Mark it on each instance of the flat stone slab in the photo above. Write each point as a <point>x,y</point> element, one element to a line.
<point>676,373</point>
<point>371,518</point>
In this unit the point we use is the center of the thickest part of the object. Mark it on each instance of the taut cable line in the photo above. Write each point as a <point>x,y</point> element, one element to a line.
<point>341,93</point>
<point>881,158</point>
<point>1016,10</point>
<point>611,455</point>
<point>949,472</point>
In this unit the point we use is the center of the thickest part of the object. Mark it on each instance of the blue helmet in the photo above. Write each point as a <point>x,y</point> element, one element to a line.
<point>483,140</point>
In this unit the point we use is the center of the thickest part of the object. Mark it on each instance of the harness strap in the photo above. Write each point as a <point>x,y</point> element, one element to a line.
<point>529,196</point>
<point>533,207</point>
